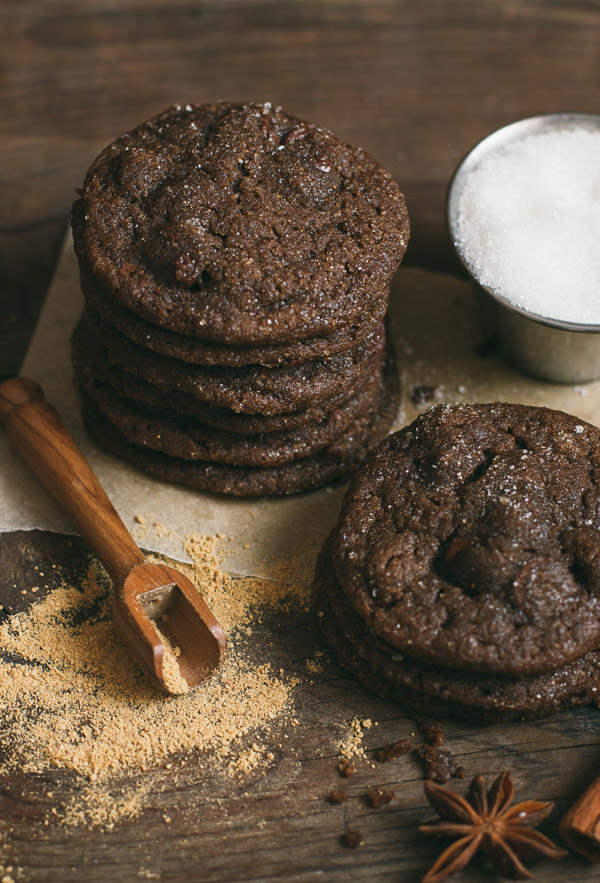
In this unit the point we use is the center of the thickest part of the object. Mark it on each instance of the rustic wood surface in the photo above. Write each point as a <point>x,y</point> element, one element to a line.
<point>416,84</point>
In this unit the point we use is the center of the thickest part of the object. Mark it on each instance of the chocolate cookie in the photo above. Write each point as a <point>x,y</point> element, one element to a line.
<point>470,539</point>
<point>240,224</point>
<point>203,352</point>
<point>91,365</point>
<point>428,690</point>
<point>249,390</point>
<point>189,439</point>
<point>336,461</point>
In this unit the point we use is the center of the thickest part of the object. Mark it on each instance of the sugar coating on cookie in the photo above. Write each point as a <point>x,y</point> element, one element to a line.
<point>241,224</point>
<point>470,540</point>
<point>338,459</point>
<point>428,690</point>
<point>250,389</point>
<point>205,352</point>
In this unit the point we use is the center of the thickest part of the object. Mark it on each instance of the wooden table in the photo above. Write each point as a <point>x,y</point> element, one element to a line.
<point>414,83</point>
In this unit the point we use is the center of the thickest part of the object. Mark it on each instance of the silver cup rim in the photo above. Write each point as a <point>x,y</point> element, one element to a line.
<point>489,143</point>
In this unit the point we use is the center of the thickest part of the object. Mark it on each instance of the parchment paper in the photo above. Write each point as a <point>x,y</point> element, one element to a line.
<point>436,329</point>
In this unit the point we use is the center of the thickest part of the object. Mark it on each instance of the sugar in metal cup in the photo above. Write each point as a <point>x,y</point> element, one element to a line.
<point>523,212</point>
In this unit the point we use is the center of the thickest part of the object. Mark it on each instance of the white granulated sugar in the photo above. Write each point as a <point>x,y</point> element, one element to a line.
<point>529,224</point>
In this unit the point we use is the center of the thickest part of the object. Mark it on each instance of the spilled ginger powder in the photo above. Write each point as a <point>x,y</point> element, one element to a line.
<point>72,697</point>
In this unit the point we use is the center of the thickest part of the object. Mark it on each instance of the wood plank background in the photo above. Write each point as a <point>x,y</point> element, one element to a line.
<point>415,83</point>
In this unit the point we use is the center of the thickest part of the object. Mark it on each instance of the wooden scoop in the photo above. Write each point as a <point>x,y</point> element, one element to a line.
<point>146,595</point>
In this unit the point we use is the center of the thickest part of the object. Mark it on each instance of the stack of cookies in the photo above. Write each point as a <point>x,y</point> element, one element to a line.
<point>235,263</point>
<point>463,577</point>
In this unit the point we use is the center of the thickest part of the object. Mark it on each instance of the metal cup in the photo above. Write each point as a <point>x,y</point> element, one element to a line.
<point>563,352</point>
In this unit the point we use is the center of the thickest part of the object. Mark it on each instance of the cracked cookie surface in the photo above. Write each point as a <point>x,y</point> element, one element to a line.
<point>440,691</point>
<point>470,539</point>
<point>240,224</point>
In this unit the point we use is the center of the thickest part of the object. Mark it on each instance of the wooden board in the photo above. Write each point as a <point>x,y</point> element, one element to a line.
<point>416,84</point>
<point>278,824</point>
<point>284,809</point>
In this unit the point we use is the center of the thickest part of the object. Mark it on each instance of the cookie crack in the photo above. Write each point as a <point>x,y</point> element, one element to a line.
<point>519,441</point>
<point>488,458</point>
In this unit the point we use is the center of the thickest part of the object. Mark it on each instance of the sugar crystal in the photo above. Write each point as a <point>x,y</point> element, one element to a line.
<point>529,223</point>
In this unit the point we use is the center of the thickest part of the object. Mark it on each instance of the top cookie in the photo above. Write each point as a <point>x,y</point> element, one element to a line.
<point>470,539</point>
<point>240,224</point>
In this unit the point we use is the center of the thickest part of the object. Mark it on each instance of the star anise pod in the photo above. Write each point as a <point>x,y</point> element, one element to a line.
<point>486,821</point>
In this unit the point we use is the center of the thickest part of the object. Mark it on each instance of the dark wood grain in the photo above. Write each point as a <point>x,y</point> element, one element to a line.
<point>279,825</point>
<point>416,84</point>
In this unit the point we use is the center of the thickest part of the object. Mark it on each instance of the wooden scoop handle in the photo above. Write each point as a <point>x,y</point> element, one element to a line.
<point>38,434</point>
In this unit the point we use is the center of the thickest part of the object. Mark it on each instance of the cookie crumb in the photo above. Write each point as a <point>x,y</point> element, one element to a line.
<point>352,839</point>
<point>439,763</point>
<point>395,750</point>
<point>379,796</point>
<point>433,732</point>
<point>347,768</point>
<point>338,796</point>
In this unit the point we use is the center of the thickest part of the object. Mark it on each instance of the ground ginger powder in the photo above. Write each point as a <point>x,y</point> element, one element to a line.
<point>72,697</point>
